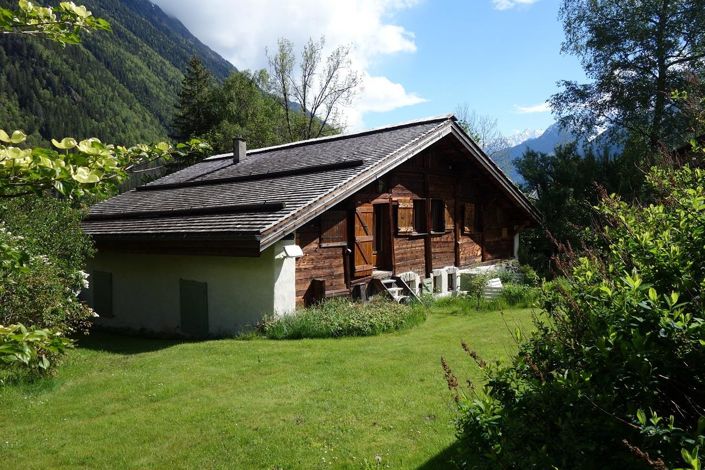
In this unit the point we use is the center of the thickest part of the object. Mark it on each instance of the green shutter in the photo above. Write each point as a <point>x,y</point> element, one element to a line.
<point>194,308</point>
<point>102,283</point>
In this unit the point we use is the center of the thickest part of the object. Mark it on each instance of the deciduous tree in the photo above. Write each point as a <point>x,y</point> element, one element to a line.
<point>635,52</point>
<point>314,91</point>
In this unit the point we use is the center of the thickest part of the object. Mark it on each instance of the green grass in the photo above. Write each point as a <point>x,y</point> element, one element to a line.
<point>343,317</point>
<point>124,402</point>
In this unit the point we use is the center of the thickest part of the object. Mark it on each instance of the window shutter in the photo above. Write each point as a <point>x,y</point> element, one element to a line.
<point>449,219</point>
<point>102,283</point>
<point>405,216</point>
<point>469,218</point>
<point>334,229</point>
<point>362,254</point>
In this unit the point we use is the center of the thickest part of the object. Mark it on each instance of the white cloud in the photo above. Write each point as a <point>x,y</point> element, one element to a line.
<point>509,4</point>
<point>533,109</point>
<point>241,30</point>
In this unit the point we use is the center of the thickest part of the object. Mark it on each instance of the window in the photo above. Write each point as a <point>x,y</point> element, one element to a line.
<point>420,225</point>
<point>438,216</point>
<point>334,229</point>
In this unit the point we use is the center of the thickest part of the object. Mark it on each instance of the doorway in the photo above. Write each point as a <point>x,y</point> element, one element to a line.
<point>382,242</point>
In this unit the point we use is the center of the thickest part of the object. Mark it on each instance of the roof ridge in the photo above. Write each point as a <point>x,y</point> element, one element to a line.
<point>301,143</point>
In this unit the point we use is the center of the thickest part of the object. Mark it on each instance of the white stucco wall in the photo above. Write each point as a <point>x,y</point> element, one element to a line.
<point>240,290</point>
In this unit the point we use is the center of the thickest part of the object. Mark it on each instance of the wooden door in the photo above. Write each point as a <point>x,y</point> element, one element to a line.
<point>363,231</point>
<point>194,308</point>
<point>382,239</point>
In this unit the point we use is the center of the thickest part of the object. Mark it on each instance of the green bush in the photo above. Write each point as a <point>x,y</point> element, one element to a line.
<point>29,352</point>
<point>614,377</point>
<point>341,317</point>
<point>518,295</point>
<point>40,272</point>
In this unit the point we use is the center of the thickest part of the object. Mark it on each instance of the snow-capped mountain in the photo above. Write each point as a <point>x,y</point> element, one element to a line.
<point>522,136</point>
<point>549,139</point>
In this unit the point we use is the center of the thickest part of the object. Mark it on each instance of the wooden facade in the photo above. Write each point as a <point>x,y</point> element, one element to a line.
<point>437,209</point>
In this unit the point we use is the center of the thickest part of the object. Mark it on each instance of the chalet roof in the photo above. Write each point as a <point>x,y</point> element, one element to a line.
<point>274,190</point>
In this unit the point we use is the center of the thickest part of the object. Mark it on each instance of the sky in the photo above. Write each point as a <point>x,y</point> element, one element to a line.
<point>417,58</point>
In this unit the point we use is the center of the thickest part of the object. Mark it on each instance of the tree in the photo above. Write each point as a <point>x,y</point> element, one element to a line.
<point>483,129</point>
<point>319,87</point>
<point>636,52</point>
<point>195,109</point>
<point>245,110</point>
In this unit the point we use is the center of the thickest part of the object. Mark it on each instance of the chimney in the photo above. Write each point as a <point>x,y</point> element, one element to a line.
<point>239,149</point>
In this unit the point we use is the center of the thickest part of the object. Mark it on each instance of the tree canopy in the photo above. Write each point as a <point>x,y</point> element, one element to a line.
<point>636,53</point>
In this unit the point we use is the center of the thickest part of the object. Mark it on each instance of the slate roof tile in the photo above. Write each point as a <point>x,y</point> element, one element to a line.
<point>203,188</point>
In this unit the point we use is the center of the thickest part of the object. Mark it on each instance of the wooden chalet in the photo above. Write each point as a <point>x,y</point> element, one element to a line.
<point>212,248</point>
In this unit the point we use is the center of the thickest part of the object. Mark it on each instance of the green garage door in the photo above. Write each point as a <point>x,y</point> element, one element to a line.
<point>194,308</point>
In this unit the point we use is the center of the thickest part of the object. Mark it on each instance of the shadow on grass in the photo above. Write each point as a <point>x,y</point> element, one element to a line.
<point>447,459</point>
<point>452,458</point>
<point>123,343</point>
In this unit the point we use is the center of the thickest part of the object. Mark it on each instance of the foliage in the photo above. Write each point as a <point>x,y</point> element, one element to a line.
<point>29,352</point>
<point>41,290</point>
<point>474,285</point>
<point>238,107</point>
<point>244,110</point>
<point>195,109</point>
<point>119,87</point>
<point>75,169</point>
<point>566,186</point>
<point>62,24</point>
<point>635,53</point>
<point>614,378</point>
<point>341,317</point>
<point>321,87</point>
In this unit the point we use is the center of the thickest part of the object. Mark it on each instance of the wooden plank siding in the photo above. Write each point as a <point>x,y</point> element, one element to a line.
<point>439,173</point>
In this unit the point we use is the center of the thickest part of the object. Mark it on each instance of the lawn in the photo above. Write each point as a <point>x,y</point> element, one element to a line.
<point>129,402</point>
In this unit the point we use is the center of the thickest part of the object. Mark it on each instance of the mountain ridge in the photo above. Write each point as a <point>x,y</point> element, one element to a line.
<point>120,86</point>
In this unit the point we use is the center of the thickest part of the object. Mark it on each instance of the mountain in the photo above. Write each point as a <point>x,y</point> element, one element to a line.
<point>552,137</point>
<point>119,86</point>
<point>522,136</point>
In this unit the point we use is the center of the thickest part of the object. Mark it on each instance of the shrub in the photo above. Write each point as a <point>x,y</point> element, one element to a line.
<point>29,352</point>
<point>614,378</point>
<point>518,295</point>
<point>341,317</point>
<point>40,272</point>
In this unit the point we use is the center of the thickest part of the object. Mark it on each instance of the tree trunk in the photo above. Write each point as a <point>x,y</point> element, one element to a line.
<point>661,75</point>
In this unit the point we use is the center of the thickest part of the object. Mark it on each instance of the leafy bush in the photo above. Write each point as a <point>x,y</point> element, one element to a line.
<point>40,287</point>
<point>341,317</point>
<point>29,352</point>
<point>614,378</point>
<point>528,275</point>
<point>49,227</point>
<point>517,295</point>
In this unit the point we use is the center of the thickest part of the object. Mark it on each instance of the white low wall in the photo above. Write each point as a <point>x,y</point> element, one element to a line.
<point>146,295</point>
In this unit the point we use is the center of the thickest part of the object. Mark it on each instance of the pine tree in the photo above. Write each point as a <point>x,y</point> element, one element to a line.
<point>194,110</point>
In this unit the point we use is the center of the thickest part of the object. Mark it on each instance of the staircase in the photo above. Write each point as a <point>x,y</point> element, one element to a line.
<point>394,291</point>
<point>394,288</point>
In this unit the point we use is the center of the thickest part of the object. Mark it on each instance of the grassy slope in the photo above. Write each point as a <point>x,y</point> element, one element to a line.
<point>250,404</point>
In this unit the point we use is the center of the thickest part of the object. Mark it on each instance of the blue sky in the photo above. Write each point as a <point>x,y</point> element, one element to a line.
<point>495,60</point>
<point>418,57</point>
